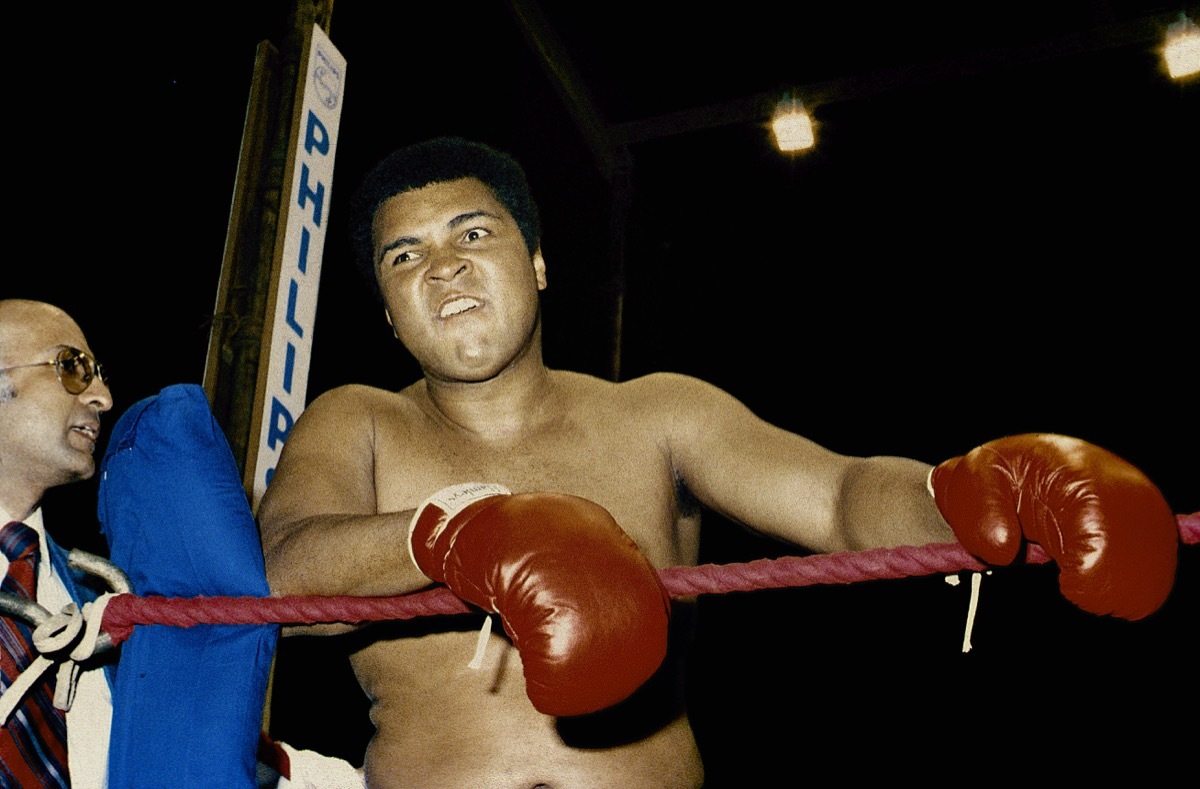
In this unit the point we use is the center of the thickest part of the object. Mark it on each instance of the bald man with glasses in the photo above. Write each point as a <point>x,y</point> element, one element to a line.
<point>53,395</point>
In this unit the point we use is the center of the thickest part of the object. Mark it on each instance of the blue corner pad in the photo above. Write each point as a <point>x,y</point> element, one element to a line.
<point>187,701</point>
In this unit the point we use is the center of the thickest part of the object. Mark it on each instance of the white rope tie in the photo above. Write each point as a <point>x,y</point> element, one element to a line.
<point>481,644</point>
<point>71,629</point>
<point>972,607</point>
<point>85,647</point>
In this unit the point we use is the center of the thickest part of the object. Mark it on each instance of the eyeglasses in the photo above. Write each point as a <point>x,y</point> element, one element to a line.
<point>75,369</point>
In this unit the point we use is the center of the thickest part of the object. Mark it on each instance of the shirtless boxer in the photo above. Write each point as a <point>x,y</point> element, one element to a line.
<point>451,239</point>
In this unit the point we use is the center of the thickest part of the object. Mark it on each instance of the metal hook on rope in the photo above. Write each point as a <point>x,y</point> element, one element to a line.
<point>102,568</point>
<point>65,638</point>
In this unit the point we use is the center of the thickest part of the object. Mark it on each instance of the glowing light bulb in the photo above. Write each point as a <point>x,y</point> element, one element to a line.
<point>792,127</point>
<point>1182,50</point>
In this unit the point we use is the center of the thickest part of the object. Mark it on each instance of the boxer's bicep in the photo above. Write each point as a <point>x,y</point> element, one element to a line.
<point>320,523</point>
<point>766,478</point>
<point>326,465</point>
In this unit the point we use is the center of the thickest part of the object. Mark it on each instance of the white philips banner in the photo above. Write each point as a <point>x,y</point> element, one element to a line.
<point>296,271</point>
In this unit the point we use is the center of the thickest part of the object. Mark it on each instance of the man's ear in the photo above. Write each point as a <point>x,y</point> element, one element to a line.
<point>539,268</point>
<point>387,314</point>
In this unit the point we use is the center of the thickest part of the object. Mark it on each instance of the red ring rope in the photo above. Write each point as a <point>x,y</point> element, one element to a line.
<point>125,611</point>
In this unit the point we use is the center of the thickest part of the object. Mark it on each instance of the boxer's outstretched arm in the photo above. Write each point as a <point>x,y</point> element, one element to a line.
<point>786,486</point>
<point>320,530</point>
<point>1105,524</point>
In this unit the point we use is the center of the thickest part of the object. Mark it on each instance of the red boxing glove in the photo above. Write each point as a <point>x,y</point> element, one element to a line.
<point>583,606</point>
<point>1113,536</point>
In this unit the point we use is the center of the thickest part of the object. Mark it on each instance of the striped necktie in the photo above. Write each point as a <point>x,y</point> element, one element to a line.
<point>33,745</point>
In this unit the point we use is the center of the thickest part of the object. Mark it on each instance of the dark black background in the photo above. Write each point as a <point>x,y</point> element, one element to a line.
<point>968,253</point>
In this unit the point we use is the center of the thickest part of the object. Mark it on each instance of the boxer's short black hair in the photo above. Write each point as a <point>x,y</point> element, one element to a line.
<point>436,161</point>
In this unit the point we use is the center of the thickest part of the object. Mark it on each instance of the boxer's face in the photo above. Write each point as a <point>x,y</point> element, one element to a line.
<point>460,286</point>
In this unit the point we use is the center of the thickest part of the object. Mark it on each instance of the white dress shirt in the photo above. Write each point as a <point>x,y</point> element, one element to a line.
<point>89,721</point>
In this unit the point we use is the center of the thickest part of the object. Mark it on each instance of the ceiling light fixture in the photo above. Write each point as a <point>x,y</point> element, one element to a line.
<point>1182,50</point>
<point>792,126</point>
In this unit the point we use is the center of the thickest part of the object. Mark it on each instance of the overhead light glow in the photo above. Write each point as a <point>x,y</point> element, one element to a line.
<point>792,127</point>
<point>1182,51</point>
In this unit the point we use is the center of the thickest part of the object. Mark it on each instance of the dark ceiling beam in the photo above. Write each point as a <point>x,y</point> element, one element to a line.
<point>758,108</point>
<point>571,87</point>
<point>612,159</point>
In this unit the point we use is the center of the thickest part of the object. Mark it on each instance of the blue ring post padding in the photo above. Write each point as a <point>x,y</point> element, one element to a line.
<point>187,702</point>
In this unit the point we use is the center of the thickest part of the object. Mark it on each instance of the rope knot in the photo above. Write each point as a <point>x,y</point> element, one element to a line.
<point>58,631</point>
<point>63,640</point>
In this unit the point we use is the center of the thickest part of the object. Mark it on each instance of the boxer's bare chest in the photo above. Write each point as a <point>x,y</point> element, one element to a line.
<point>587,447</point>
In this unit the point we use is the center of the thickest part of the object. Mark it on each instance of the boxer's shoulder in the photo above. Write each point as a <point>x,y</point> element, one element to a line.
<point>361,407</point>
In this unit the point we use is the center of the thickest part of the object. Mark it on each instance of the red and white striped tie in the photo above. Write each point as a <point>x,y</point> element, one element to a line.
<point>33,746</point>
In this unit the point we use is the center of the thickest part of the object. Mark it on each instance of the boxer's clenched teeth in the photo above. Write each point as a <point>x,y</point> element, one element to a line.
<point>457,306</point>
